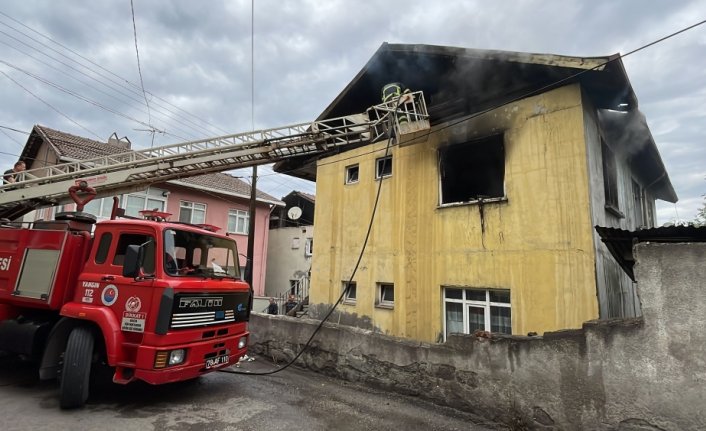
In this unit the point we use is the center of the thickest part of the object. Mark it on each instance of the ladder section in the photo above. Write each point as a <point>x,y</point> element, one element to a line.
<point>135,170</point>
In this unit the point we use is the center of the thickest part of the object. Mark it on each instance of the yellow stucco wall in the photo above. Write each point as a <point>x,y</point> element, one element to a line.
<point>537,243</point>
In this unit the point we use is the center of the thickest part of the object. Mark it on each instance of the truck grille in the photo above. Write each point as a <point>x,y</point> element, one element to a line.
<point>185,320</point>
<point>194,310</point>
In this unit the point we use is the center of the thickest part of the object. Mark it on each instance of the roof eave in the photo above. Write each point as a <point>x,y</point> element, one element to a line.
<point>224,192</point>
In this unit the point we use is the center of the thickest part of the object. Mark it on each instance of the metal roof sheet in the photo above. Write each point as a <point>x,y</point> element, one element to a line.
<point>620,242</point>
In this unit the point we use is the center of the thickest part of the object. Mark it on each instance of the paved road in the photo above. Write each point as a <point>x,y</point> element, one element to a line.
<point>291,400</point>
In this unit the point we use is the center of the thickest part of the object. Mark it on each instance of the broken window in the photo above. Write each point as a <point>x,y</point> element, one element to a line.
<point>610,177</point>
<point>352,174</point>
<point>473,170</point>
<point>470,310</point>
<point>383,167</point>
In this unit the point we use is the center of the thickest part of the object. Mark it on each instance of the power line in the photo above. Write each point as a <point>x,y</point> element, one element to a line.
<point>80,97</point>
<point>88,84</point>
<point>139,69</point>
<point>48,104</point>
<point>112,88</point>
<point>11,137</point>
<point>118,91</point>
<point>108,71</point>
<point>14,130</point>
<point>558,82</point>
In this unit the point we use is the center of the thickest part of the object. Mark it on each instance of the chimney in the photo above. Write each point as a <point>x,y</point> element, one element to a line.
<point>123,142</point>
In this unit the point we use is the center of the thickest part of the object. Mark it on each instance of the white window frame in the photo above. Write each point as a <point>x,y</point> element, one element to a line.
<point>347,298</point>
<point>192,206</point>
<point>103,205</point>
<point>149,194</point>
<point>309,247</point>
<point>239,215</point>
<point>349,171</point>
<point>381,302</point>
<point>474,303</point>
<point>378,167</point>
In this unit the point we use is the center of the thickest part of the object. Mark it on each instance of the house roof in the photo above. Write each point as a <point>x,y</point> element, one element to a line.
<point>620,242</point>
<point>458,82</point>
<point>307,196</point>
<point>72,147</point>
<point>227,184</point>
<point>66,145</point>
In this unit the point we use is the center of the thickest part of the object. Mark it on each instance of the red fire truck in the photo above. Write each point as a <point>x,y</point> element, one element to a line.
<point>143,296</point>
<point>138,295</point>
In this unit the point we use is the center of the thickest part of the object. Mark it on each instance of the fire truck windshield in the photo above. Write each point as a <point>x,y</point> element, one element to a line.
<point>191,254</point>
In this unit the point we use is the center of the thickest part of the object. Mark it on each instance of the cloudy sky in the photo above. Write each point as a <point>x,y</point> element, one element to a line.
<point>72,66</point>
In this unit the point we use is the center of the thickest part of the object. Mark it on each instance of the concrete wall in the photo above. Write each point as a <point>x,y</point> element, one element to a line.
<point>644,373</point>
<point>537,242</point>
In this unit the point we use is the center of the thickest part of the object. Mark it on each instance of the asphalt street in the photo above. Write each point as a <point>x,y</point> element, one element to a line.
<point>293,399</point>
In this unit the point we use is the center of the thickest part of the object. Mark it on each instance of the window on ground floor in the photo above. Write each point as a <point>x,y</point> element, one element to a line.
<point>349,297</point>
<point>385,295</point>
<point>469,310</point>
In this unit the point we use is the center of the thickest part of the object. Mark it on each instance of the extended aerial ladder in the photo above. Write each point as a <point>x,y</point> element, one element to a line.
<point>136,170</point>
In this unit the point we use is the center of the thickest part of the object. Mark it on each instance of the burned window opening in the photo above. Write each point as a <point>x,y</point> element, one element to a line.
<point>473,171</point>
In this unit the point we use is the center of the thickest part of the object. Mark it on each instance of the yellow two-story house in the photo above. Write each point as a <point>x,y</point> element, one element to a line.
<point>487,221</point>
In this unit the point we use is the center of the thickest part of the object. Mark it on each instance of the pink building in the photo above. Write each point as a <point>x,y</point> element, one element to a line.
<point>216,199</point>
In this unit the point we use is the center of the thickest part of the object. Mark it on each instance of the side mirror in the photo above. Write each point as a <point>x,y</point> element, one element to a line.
<point>132,264</point>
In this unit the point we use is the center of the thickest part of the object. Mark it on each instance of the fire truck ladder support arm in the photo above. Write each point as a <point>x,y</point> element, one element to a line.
<point>135,170</point>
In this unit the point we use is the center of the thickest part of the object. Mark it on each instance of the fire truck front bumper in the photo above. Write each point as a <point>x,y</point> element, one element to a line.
<point>159,365</point>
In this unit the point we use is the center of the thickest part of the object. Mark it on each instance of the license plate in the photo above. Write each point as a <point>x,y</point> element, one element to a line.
<point>217,361</point>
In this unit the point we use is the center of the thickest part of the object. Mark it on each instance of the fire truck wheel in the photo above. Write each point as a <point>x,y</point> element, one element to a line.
<point>76,371</point>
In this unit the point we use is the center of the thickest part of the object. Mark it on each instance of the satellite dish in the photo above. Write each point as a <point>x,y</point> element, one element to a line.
<point>294,213</point>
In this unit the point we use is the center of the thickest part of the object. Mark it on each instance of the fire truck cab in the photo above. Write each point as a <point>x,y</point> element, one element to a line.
<point>155,300</point>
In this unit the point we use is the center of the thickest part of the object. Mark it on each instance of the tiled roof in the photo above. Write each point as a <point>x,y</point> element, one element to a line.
<point>77,147</point>
<point>228,183</point>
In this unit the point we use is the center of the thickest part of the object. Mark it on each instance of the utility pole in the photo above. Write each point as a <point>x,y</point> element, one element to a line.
<point>251,230</point>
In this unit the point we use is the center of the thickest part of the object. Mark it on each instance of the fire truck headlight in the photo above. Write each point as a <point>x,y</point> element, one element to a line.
<point>176,357</point>
<point>242,342</point>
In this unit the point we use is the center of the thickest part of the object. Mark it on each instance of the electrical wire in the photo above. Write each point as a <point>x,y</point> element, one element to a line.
<point>48,104</point>
<point>78,96</point>
<point>121,100</point>
<point>393,136</point>
<point>139,70</point>
<point>11,137</point>
<point>80,72</point>
<point>556,83</point>
<point>14,130</point>
<point>122,81</point>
